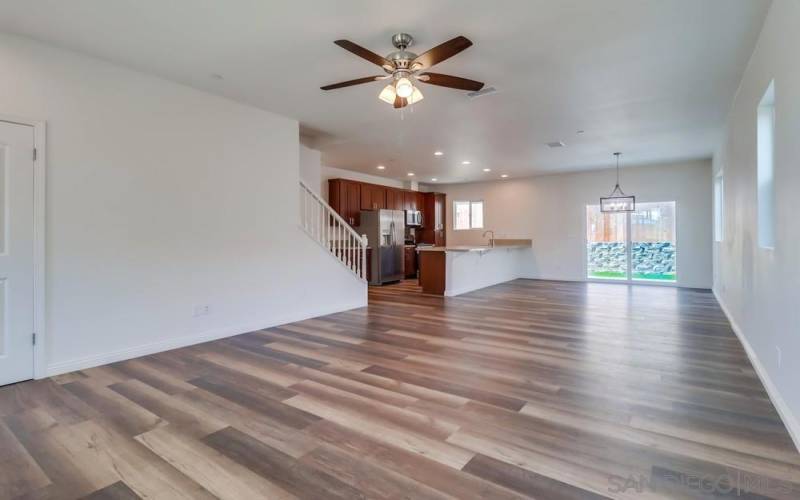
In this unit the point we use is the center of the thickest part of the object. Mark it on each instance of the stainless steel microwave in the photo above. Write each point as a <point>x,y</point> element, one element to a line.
<point>413,218</point>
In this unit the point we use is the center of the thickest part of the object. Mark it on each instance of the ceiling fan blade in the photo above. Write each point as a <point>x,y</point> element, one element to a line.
<point>365,54</point>
<point>349,83</point>
<point>453,82</point>
<point>441,52</point>
<point>400,102</point>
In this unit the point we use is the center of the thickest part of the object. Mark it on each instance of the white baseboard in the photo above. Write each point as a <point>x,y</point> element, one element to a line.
<point>186,340</point>
<point>789,420</point>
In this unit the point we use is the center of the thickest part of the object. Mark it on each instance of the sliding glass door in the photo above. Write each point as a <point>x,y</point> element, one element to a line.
<point>607,244</point>
<point>653,250</point>
<point>636,246</point>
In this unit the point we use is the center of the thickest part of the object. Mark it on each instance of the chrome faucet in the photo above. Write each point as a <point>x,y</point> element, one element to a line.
<point>491,241</point>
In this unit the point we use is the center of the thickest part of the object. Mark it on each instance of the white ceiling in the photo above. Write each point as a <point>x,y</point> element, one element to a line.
<point>651,78</point>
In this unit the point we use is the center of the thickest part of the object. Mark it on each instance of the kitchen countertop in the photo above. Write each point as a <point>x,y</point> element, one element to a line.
<point>498,245</point>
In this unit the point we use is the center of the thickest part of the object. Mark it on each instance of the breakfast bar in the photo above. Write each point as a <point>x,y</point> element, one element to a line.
<point>453,270</point>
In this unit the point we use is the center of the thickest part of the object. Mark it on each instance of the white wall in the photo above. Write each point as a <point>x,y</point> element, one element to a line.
<point>161,198</point>
<point>310,166</point>
<point>551,211</point>
<point>760,288</point>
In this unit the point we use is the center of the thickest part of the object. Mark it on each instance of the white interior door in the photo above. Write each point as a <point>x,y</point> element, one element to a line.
<point>16,252</point>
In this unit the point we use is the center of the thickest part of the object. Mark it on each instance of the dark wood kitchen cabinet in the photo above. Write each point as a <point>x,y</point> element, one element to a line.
<point>410,200</point>
<point>433,227</point>
<point>394,199</point>
<point>411,261</point>
<point>344,197</point>
<point>348,198</point>
<point>373,197</point>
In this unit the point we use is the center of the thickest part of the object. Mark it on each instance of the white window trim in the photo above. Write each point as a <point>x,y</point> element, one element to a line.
<point>765,169</point>
<point>470,228</point>
<point>719,206</point>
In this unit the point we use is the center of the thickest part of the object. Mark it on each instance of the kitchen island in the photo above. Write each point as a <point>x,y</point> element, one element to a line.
<point>453,270</point>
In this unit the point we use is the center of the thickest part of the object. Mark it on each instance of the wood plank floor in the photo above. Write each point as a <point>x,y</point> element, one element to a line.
<point>535,389</point>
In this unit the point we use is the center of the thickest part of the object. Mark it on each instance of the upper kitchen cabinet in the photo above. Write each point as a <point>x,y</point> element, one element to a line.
<point>433,229</point>
<point>344,196</point>
<point>348,198</point>
<point>373,197</point>
<point>394,199</point>
<point>410,200</point>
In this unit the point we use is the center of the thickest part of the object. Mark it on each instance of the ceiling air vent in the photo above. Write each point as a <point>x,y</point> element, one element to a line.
<point>555,144</point>
<point>483,92</point>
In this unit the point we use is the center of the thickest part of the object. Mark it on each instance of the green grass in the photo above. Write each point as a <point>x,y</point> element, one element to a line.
<point>654,276</point>
<point>617,275</point>
<point>608,274</point>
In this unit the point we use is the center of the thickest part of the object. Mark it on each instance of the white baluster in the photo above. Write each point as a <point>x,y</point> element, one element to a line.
<point>363,258</point>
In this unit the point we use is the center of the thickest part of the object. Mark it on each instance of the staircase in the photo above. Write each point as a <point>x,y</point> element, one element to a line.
<point>328,229</point>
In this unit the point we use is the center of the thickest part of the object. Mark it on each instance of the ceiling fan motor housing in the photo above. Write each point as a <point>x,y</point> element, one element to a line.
<point>401,59</point>
<point>402,41</point>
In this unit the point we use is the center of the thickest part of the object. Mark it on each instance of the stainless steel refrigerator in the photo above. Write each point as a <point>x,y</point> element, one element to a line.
<point>385,230</point>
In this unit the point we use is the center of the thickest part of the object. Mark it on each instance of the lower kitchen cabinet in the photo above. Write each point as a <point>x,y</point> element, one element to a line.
<point>411,261</point>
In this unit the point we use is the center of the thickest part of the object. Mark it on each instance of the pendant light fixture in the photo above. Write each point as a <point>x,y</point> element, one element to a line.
<point>618,201</point>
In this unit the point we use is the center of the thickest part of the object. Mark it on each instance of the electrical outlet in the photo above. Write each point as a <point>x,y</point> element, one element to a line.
<point>780,355</point>
<point>202,310</point>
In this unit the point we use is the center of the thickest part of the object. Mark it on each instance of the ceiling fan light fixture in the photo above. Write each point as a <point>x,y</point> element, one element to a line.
<point>404,68</point>
<point>416,96</point>
<point>404,88</point>
<point>388,94</point>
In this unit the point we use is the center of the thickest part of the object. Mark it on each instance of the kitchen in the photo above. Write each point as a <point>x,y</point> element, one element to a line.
<point>406,238</point>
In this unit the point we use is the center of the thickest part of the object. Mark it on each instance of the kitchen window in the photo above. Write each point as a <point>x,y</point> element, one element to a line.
<point>467,215</point>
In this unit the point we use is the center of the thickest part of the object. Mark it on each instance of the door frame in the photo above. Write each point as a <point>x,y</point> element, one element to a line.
<point>629,279</point>
<point>39,233</point>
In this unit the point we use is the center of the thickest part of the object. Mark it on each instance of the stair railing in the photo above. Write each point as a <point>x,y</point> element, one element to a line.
<point>329,229</point>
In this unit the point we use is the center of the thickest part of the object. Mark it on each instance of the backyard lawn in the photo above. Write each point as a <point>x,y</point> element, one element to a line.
<point>619,275</point>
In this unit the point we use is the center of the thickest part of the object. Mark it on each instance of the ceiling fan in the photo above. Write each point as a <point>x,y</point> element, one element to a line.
<point>403,66</point>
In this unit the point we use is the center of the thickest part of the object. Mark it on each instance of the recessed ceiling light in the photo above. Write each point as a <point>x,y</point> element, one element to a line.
<point>466,162</point>
<point>434,179</point>
<point>217,76</point>
<point>504,176</point>
<point>411,174</point>
<point>438,153</point>
<point>487,169</point>
<point>556,144</point>
<point>580,132</point>
<point>381,167</point>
